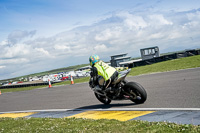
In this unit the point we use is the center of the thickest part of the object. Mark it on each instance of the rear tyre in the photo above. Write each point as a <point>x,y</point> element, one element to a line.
<point>103,99</point>
<point>136,92</point>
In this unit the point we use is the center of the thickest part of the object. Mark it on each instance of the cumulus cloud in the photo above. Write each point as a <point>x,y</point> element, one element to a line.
<point>44,52</point>
<point>159,19</point>
<point>4,42</point>
<point>193,15</point>
<point>101,48</point>
<point>61,47</point>
<point>108,34</point>
<point>2,67</point>
<point>132,21</point>
<point>18,35</point>
<point>14,51</point>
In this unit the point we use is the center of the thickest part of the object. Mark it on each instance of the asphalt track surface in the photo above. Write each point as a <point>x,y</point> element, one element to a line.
<point>177,89</point>
<point>168,91</point>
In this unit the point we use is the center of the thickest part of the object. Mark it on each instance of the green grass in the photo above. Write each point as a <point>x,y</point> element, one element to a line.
<point>64,125</point>
<point>21,89</point>
<point>171,65</point>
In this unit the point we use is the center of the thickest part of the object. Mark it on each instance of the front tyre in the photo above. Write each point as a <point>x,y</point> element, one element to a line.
<point>103,99</point>
<point>136,92</point>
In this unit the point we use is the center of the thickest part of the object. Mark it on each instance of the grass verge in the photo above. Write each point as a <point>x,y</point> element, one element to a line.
<point>171,65</point>
<point>50,125</point>
<point>21,89</point>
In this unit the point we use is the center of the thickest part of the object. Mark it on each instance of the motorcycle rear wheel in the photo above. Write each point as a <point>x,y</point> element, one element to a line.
<point>136,92</point>
<point>103,99</point>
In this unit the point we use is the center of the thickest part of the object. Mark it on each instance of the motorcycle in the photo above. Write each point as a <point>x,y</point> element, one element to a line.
<point>123,90</point>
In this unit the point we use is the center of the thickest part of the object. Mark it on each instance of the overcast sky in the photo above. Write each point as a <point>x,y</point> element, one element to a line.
<point>40,35</point>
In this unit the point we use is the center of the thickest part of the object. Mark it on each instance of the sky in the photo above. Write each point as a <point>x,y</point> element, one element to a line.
<point>41,35</point>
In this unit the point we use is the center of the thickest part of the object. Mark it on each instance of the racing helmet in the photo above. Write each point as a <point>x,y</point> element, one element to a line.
<point>93,59</point>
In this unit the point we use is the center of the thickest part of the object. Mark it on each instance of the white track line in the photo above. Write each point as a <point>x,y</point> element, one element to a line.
<point>111,109</point>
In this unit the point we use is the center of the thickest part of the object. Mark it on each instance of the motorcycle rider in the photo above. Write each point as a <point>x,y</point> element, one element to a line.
<point>101,68</point>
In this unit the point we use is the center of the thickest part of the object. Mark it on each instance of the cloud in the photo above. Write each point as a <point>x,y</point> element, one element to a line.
<point>14,61</point>
<point>14,51</point>
<point>44,52</point>
<point>61,47</point>
<point>18,35</point>
<point>132,21</point>
<point>3,43</point>
<point>2,67</point>
<point>101,48</point>
<point>107,34</point>
<point>158,19</point>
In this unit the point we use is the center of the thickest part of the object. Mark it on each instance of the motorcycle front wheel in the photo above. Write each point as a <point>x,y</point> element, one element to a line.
<point>136,92</point>
<point>103,99</point>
